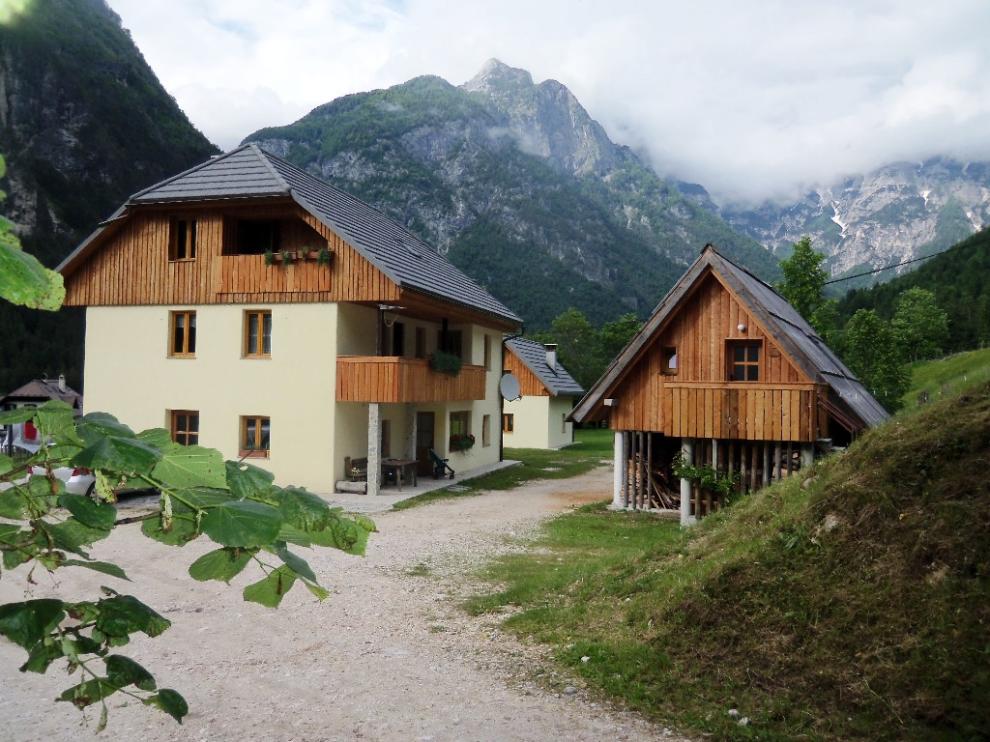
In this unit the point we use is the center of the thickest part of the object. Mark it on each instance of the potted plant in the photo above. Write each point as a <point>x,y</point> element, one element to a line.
<point>461,442</point>
<point>323,256</point>
<point>269,257</point>
<point>446,363</point>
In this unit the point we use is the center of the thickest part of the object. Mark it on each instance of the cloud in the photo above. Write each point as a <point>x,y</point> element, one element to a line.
<point>751,100</point>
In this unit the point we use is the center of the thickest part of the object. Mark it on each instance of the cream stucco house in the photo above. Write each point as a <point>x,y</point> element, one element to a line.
<point>250,307</point>
<point>538,419</point>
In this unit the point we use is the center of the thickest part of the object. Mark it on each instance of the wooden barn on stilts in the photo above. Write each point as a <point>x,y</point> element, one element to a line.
<point>727,375</point>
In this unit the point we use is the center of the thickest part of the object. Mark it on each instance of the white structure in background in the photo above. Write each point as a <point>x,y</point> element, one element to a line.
<point>538,419</point>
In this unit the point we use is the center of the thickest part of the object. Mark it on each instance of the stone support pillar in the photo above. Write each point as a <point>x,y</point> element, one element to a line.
<point>687,451</point>
<point>374,448</point>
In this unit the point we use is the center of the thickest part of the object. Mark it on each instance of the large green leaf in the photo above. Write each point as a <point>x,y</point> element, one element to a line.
<point>304,509</point>
<point>24,280</point>
<point>6,464</point>
<point>89,512</point>
<point>181,531</point>
<point>126,455</point>
<point>124,614</point>
<point>170,702</point>
<point>42,655</point>
<point>247,480</point>
<point>107,568</point>
<point>222,564</point>
<point>71,534</point>
<point>18,415</point>
<point>296,563</point>
<point>27,623</point>
<point>56,418</point>
<point>157,437</point>
<point>242,523</point>
<point>270,591</point>
<point>123,671</point>
<point>88,692</point>
<point>191,466</point>
<point>13,504</point>
<point>97,425</point>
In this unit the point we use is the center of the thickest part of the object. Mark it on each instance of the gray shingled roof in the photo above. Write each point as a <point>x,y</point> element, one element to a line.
<point>40,389</point>
<point>779,318</point>
<point>250,171</point>
<point>534,355</point>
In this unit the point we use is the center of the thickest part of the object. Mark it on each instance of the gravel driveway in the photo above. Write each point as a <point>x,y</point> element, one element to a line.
<point>389,656</point>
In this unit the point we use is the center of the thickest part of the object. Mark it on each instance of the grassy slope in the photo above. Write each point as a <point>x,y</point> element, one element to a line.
<point>591,447</point>
<point>856,608</point>
<point>946,376</point>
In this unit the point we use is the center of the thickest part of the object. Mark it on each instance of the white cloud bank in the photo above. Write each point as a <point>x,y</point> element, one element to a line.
<point>752,100</point>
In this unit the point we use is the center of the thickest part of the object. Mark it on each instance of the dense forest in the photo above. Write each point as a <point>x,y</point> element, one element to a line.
<point>957,277</point>
<point>85,123</point>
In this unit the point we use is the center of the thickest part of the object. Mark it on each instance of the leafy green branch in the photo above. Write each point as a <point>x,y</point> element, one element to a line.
<point>707,477</point>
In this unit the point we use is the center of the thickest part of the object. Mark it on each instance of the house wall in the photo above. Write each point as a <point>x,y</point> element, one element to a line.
<point>140,384</point>
<point>531,422</point>
<point>537,422</point>
<point>698,401</point>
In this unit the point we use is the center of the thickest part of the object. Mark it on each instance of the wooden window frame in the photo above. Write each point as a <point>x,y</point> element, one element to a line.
<point>508,422</point>
<point>758,364</point>
<point>486,431</point>
<point>182,436</point>
<point>246,338</point>
<point>668,353</point>
<point>188,228</point>
<point>464,415</point>
<point>257,452</point>
<point>190,320</point>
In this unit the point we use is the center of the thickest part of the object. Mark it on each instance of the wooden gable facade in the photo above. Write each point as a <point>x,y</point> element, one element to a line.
<point>697,398</point>
<point>129,263</point>
<point>530,385</point>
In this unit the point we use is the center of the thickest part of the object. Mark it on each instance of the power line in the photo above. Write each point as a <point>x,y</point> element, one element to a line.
<point>888,267</point>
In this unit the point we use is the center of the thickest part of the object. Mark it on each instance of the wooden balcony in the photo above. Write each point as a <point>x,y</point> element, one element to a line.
<point>395,379</point>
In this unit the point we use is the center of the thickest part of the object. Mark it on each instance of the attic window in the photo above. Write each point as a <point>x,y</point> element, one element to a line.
<point>252,236</point>
<point>182,239</point>
<point>669,361</point>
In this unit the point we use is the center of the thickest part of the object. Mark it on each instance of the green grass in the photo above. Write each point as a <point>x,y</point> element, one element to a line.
<point>856,608</point>
<point>947,376</point>
<point>591,446</point>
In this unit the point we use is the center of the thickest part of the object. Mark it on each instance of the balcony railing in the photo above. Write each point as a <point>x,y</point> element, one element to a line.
<point>396,379</point>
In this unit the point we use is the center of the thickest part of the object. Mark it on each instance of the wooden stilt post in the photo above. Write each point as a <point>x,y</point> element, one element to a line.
<point>754,468</point>
<point>776,461</point>
<point>807,457</point>
<point>743,482</point>
<point>628,469</point>
<point>649,471</point>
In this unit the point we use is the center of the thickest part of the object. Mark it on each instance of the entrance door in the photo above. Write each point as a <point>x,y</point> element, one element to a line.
<point>424,442</point>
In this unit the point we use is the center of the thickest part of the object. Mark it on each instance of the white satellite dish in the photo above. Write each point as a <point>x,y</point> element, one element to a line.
<point>508,387</point>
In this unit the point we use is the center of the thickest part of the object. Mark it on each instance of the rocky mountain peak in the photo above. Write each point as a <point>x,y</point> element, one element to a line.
<point>497,75</point>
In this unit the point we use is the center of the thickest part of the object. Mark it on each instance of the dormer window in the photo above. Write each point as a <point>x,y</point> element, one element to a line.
<point>182,239</point>
<point>251,236</point>
<point>743,360</point>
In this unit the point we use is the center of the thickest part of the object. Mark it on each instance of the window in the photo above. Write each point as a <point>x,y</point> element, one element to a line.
<point>743,360</point>
<point>257,333</point>
<point>253,236</point>
<point>486,430</point>
<point>488,353</point>
<point>460,423</point>
<point>185,427</point>
<point>421,342</point>
<point>508,423</point>
<point>669,361</point>
<point>386,444</point>
<point>453,344</point>
<point>255,436</point>
<point>398,339</point>
<point>182,334</point>
<point>182,239</point>
<point>563,422</point>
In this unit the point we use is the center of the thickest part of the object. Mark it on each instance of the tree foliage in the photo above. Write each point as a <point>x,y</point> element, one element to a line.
<point>919,324</point>
<point>235,505</point>
<point>873,353</point>
<point>585,351</point>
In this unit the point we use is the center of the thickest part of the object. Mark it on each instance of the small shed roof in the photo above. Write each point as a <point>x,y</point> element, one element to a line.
<point>556,379</point>
<point>251,172</point>
<point>773,311</point>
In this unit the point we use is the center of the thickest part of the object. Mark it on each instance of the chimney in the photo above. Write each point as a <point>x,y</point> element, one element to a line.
<point>552,355</point>
<point>61,382</point>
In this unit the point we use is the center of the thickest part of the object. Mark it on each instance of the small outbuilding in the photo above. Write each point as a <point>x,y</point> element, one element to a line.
<point>727,376</point>
<point>539,418</point>
<point>34,394</point>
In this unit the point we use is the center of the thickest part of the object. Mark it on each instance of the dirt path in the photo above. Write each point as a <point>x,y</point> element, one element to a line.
<point>388,657</point>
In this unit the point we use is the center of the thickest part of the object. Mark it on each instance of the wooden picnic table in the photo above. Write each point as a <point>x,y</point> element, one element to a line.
<point>400,467</point>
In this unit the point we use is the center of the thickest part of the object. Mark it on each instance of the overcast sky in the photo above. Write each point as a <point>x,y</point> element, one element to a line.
<point>751,99</point>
